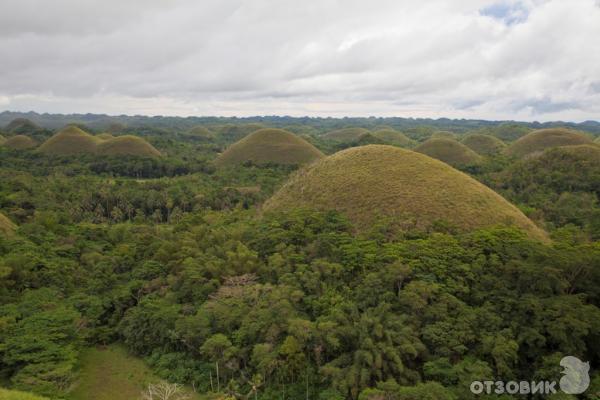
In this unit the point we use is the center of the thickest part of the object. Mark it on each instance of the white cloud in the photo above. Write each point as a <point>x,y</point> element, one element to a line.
<point>318,57</point>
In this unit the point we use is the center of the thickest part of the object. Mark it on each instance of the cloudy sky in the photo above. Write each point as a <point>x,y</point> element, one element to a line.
<point>524,60</point>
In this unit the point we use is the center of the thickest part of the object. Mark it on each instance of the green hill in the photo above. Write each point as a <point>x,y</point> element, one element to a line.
<point>235,132</point>
<point>443,135</point>
<point>201,132</point>
<point>16,395</point>
<point>345,134</point>
<point>20,142</point>
<point>371,181</point>
<point>393,137</point>
<point>270,146</point>
<point>68,141</point>
<point>542,139</point>
<point>484,145</point>
<point>104,136</point>
<point>127,145</point>
<point>21,126</point>
<point>6,225</point>
<point>449,151</point>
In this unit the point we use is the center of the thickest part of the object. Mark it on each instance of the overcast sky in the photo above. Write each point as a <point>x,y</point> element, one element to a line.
<point>523,60</point>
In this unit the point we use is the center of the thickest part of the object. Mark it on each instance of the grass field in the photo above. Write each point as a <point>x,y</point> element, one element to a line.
<point>110,373</point>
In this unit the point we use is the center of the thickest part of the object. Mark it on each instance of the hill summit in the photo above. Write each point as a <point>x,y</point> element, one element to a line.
<point>68,141</point>
<point>19,142</point>
<point>449,151</point>
<point>393,137</point>
<point>484,145</point>
<point>127,145</point>
<point>542,139</point>
<point>368,182</point>
<point>270,146</point>
<point>346,134</point>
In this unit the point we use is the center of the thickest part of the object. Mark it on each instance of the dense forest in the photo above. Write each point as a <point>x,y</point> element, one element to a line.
<point>174,258</point>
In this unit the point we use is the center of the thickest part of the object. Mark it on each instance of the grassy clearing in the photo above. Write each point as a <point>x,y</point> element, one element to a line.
<point>542,139</point>
<point>369,182</point>
<point>112,374</point>
<point>484,145</point>
<point>449,151</point>
<point>270,146</point>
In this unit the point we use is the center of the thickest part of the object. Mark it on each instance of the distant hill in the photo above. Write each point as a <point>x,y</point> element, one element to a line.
<point>449,151</point>
<point>68,141</point>
<point>270,146</point>
<point>542,139</point>
<point>127,145</point>
<point>393,137</point>
<point>201,132</point>
<point>484,145</point>
<point>346,134</point>
<point>368,182</point>
<point>20,142</point>
<point>21,126</point>
<point>443,135</point>
<point>104,136</point>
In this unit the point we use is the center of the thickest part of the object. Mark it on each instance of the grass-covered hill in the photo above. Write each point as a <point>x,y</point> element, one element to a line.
<point>270,146</point>
<point>393,137</point>
<point>368,182</point>
<point>20,142</point>
<point>449,151</point>
<point>6,226</point>
<point>201,132</point>
<point>542,139</point>
<point>68,141</point>
<point>484,145</point>
<point>21,126</point>
<point>443,135</point>
<point>345,134</point>
<point>127,145</point>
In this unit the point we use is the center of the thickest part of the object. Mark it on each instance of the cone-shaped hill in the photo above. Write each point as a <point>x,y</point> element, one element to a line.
<point>542,139</point>
<point>127,145</point>
<point>443,135</point>
<point>484,145</point>
<point>393,137</point>
<point>270,146</point>
<point>21,126</point>
<point>69,141</point>
<point>449,151</point>
<point>6,225</point>
<point>367,182</point>
<point>19,142</point>
<point>201,132</point>
<point>346,134</point>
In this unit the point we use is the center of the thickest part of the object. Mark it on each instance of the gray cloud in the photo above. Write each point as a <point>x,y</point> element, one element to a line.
<point>326,57</point>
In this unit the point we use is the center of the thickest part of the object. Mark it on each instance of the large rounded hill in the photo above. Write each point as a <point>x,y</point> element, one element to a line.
<point>70,140</point>
<point>484,145</point>
<point>365,183</point>
<point>346,134</point>
<point>542,139</point>
<point>270,146</point>
<point>393,137</point>
<point>449,151</point>
<point>21,126</point>
<point>20,142</point>
<point>127,145</point>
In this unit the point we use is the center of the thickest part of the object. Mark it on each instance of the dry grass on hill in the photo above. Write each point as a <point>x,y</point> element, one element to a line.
<point>484,145</point>
<point>542,139</point>
<point>449,151</point>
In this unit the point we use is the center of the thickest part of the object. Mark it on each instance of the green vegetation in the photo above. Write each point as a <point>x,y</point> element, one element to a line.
<point>6,226</point>
<point>449,151</point>
<point>16,395</point>
<point>409,280</point>
<point>21,126</point>
<point>484,145</point>
<point>127,145</point>
<point>393,137</point>
<point>443,135</point>
<point>270,146</point>
<point>19,142</point>
<point>368,182</point>
<point>69,141</point>
<point>2,139</point>
<point>345,134</point>
<point>542,139</point>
